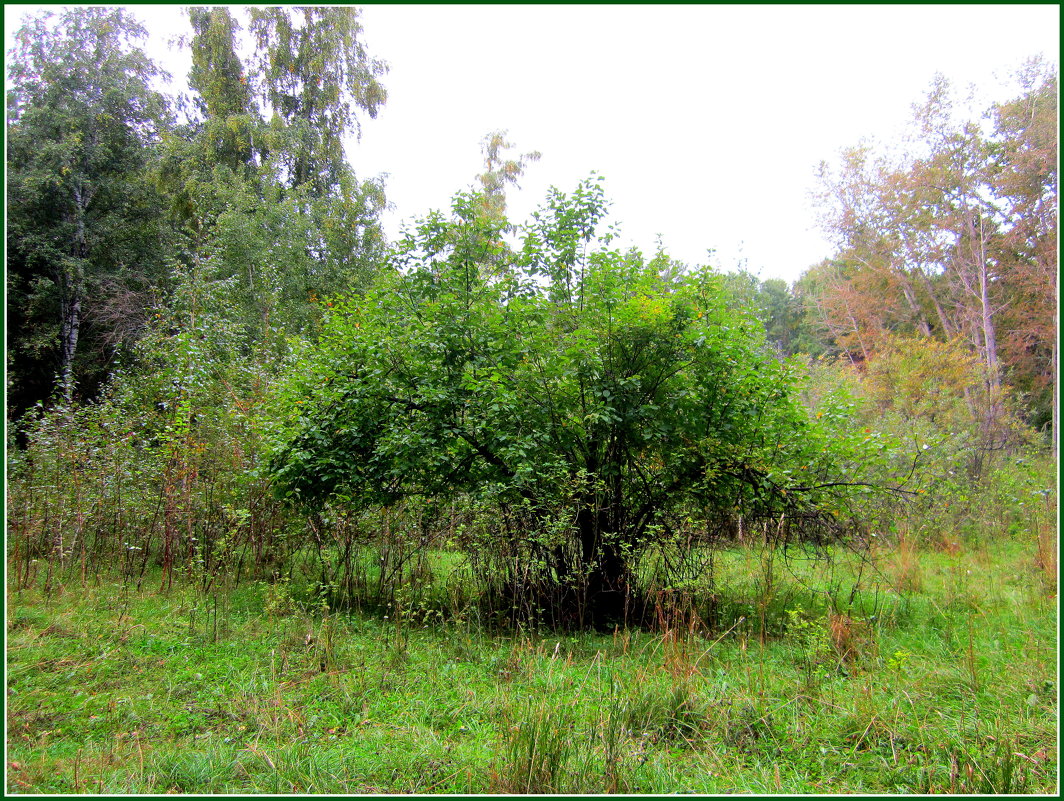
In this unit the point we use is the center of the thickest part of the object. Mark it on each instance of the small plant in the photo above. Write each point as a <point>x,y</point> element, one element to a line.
<point>812,635</point>
<point>278,602</point>
<point>898,661</point>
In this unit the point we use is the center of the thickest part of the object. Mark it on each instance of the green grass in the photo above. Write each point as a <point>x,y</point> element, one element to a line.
<point>939,677</point>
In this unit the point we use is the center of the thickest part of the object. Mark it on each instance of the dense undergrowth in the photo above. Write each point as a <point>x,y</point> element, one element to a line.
<point>904,669</point>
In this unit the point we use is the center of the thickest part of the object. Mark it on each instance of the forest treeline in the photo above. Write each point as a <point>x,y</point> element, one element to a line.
<point>218,364</point>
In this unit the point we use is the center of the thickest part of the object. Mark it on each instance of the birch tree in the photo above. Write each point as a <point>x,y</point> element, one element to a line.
<point>82,119</point>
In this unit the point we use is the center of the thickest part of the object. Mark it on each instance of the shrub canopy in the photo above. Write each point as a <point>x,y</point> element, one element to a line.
<point>606,394</point>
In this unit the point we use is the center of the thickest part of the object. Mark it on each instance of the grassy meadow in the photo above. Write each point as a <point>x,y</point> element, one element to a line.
<point>900,670</point>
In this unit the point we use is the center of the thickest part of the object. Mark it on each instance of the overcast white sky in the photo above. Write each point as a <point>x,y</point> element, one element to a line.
<point>706,121</point>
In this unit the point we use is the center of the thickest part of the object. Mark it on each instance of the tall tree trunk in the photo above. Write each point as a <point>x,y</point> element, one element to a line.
<point>607,572</point>
<point>73,279</point>
<point>987,328</point>
<point>986,314</point>
<point>857,333</point>
<point>910,297</point>
<point>69,328</point>
<point>948,328</point>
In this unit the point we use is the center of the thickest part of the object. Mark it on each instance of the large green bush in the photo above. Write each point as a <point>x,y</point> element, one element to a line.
<point>595,394</point>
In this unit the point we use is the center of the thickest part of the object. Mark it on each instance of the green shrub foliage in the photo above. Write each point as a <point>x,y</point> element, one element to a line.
<point>595,391</point>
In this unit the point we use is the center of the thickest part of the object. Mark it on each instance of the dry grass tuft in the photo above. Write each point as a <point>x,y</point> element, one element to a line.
<point>851,639</point>
<point>1046,557</point>
<point>907,570</point>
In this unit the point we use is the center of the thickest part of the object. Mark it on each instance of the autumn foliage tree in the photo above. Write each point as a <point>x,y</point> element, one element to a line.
<point>954,238</point>
<point>1026,180</point>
